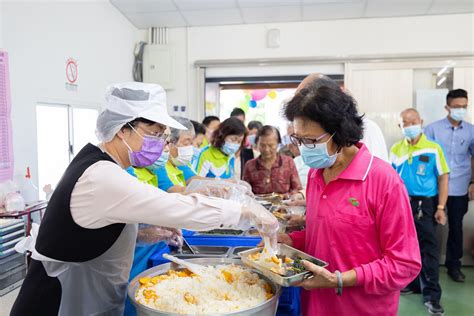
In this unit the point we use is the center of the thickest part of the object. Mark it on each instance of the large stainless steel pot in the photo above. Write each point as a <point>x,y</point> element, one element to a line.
<point>268,308</point>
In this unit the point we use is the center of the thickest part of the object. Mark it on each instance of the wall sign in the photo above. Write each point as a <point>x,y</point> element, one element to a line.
<point>71,74</point>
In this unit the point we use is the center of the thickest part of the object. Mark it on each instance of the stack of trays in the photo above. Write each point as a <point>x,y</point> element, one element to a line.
<point>12,264</point>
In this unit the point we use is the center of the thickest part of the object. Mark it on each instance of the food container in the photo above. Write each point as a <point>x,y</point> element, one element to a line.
<point>267,308</point>
<point>274,198</point>
<point>235,251</point>
<point>288,251</point>
<point>221,232</point>
<point>204,251</point>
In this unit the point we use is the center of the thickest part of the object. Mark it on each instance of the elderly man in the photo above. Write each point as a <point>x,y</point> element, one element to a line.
<point>177,171</point>
<point>457,138</point>
<point>421,164</point>
<point>271,172</point>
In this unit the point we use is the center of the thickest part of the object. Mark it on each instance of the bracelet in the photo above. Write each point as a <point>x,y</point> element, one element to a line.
<point>440,206</point>
<point>339,282</point>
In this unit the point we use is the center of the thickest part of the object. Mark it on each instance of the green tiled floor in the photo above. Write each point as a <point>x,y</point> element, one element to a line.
<point>457,298</point>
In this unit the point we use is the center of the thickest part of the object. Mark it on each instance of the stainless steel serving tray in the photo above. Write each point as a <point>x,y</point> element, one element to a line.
<point>289,252</point>
<point>205,251</point>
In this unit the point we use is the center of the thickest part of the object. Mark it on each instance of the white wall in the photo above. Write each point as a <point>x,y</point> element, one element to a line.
<point>385,36</point>
<point>40,37</point>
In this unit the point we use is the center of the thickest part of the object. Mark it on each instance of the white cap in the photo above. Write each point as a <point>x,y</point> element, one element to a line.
<point>125,102</point>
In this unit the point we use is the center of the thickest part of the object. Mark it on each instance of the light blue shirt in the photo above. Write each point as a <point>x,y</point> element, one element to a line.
<point>458,144</point>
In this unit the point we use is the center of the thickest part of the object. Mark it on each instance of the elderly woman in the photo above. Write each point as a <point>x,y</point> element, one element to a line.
<point>83,252</point>
<point>218,159</point>
<point>271,172</point>
<point>358,216</point>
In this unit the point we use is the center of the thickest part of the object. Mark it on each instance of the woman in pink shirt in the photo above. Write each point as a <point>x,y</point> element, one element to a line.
<point>358,217</point>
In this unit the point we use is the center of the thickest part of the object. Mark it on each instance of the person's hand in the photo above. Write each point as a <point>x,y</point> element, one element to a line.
<point>440,217</point>
<point>298,196</point>
<point>281,239</point>
<point>471,192</point>
<point>254,214</point>
<point>295,202</point>
<point>296,220</point>
<point>322,278</point>
<point>149,235</point>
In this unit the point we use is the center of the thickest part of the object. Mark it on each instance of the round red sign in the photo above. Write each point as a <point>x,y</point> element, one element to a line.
<point>71,71</point>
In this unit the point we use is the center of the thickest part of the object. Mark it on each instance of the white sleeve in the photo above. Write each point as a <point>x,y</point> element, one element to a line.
<point>205,167</point>
<point>107,194</point>
<point>374,140</point>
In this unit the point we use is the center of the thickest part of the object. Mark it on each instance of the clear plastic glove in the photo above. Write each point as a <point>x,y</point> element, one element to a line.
<point>149,235</point>
<point>219,188</point>
<point>255,215</point>
<point>246,185</point>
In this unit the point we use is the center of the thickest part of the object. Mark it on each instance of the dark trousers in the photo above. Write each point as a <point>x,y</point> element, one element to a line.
<point>456,208</point>
<point>428,280</point>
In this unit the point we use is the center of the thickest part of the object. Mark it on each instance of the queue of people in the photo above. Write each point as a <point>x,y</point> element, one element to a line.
<point>375,223</point>
<point>372,216</point>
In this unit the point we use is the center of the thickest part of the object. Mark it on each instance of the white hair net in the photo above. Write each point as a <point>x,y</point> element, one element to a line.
<point>125,102</point>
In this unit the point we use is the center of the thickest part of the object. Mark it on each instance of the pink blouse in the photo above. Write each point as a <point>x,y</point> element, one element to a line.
<point>362,221</point>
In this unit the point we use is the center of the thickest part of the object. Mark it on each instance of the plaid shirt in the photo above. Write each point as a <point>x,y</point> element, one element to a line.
<point>281,178</point>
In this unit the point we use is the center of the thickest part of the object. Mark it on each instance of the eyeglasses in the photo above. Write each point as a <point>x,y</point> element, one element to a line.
<point>165,137</point>
<point>306,141</point>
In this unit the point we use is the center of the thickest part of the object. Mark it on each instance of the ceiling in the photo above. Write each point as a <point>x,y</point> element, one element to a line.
<point>179,13</point>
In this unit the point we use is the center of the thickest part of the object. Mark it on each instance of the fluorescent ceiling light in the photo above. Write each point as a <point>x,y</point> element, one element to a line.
<point>442,71</point>
<point>440,81</point>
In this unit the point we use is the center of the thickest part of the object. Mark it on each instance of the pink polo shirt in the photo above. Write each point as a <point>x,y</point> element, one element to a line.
<point>362,221</point>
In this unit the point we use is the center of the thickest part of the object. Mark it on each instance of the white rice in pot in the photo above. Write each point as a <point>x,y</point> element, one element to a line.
<point>225,289</point>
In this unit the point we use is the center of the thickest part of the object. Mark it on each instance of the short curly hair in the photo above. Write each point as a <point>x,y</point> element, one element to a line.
<point>331,108</point>
<point>230,126</point>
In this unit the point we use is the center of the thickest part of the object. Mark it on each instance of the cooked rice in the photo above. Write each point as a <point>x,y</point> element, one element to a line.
<point>227,289</point>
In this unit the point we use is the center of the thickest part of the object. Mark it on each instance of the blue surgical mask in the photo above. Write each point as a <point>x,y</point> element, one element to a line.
<point>251,139</point>
<point>160,162</point>
<point>230,148</point>
<point>317,157</point>
<point>458,114</point>
<point>412,132</point>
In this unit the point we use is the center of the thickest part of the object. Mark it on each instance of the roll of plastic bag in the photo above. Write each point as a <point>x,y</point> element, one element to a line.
<point>14,202</point>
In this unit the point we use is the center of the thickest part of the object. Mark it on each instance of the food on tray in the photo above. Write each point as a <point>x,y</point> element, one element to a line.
<point>280,264</point>
<point>227,288</point>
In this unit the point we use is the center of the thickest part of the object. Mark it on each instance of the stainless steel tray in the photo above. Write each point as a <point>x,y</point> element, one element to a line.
<point>221,232</point>
<point>236,250</point>
<point>204,251</point>
<point>289,252</point>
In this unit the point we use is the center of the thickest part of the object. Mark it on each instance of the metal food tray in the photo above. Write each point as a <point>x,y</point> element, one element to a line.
<point>205,251</point>
<point>277,278</point>
<point>221,232</point>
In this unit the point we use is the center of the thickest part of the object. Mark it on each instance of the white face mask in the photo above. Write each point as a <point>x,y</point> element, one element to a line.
<point>185,155</point>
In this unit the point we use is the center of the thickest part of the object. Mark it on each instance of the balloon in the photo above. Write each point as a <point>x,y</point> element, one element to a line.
<point>258,95</point>
<point>253,104</point>
<point>244,105</point>
<point>272,94</point>
<point>247,98</point>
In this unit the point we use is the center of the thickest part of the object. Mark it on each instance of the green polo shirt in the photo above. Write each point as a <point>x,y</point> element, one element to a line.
<point>419,165</point>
